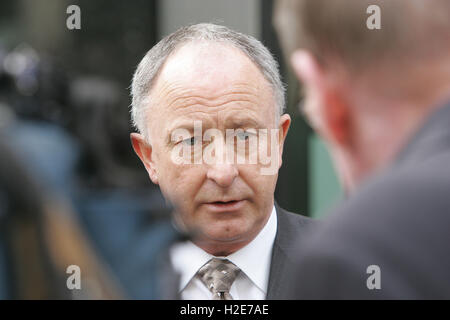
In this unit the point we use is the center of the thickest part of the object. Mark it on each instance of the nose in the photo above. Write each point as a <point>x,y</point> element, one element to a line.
<point>223,174</point>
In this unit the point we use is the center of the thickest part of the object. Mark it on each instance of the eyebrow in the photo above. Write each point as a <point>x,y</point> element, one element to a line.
<point>241,122</point>
<point>230,123</point>
<point>187,124</point>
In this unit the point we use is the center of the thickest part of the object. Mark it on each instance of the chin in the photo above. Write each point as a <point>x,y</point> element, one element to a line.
<point>225,233</point>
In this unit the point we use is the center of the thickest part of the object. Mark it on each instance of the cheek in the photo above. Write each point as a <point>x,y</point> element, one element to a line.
<point>180,184</point>
<point>263,186</point>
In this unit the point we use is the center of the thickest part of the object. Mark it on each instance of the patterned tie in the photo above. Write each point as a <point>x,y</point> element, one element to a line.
<point>218,275</point>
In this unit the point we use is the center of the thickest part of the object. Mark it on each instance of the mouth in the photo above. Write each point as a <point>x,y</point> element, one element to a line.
<point>225,206</point>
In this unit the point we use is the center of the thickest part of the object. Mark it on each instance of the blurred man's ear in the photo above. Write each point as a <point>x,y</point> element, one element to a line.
<point>144,151</point>
<point>326,106</point>
<point>283,126</point>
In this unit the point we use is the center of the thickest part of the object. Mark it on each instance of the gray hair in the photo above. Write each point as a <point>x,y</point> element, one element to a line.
<point>150,66</point>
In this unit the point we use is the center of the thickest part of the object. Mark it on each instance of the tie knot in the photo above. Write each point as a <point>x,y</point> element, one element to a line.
<point>218,275</point>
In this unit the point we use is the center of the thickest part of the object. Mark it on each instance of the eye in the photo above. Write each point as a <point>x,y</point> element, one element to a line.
<point>243,135</point>
<point>189,141</point>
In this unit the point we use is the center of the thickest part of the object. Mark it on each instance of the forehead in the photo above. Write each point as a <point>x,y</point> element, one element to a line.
<point>212,82</point>
<point>206,65</point>
<point>212,72</point>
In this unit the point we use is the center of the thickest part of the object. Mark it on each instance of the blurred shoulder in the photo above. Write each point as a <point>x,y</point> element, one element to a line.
<point>294,218</point>
<point>398,221</point>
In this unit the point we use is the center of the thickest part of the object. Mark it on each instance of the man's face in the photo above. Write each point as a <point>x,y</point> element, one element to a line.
<point>218,87</point>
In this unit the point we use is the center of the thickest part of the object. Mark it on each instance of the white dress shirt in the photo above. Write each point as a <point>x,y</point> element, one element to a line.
<point>254,261</point>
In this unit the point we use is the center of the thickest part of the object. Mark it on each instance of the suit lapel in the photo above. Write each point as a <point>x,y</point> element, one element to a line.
<point>291,229</point>
<point>277,273</point>
<point>280,258</point>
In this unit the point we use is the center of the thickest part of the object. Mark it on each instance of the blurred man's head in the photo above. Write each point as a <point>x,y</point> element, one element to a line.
<point>189,89</point>
<point>367,90</point>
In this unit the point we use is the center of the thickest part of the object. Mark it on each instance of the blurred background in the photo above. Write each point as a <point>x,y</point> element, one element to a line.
<point>72,190</point>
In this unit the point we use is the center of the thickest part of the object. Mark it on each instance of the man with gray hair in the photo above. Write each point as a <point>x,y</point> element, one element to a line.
<point>377,81</point>
<point>208,103</point>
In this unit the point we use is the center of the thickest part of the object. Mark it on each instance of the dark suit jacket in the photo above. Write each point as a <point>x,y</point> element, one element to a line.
<point>291,228</point>
<point>398,221</point>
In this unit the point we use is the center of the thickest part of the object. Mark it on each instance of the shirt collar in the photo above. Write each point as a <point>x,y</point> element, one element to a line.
<point>253,259</point>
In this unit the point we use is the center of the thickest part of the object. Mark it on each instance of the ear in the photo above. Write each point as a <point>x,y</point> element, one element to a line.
<point>326,105</point>
<point>283,126</point>
<point>144,152</point>
<point>337,118</point>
